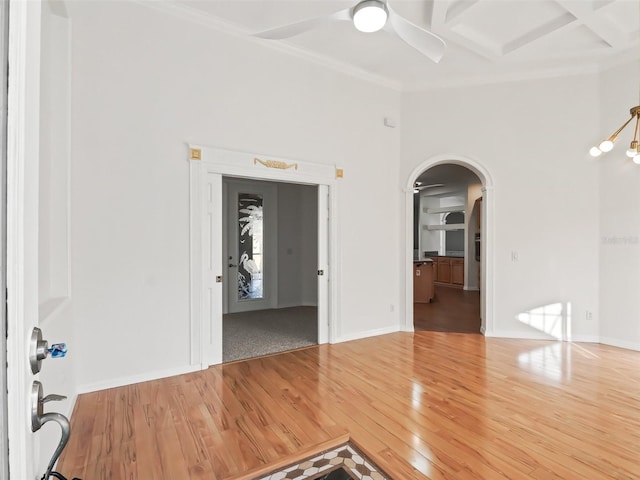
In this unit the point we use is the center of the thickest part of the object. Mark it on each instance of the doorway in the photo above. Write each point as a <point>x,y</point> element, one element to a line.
<point>449,202</point>
<point>209,267</point>
<point>270,250</point>
<point>445,226</point>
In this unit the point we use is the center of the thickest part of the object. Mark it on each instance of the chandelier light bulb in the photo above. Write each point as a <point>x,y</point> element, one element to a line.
<point>632,152</point>
<point>595,152</point>
<point>606,146</point>
<point>636,159</point>
<point>369,16</point>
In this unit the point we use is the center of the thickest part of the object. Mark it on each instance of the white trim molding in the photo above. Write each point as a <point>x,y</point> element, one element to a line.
<point>486,267</point>
<point>207,166</point>
<point>130,380</point>
<point>368,333</point>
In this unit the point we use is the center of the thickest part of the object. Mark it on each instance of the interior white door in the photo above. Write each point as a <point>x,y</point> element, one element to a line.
<point>251,246</point>
<point>323,263</point>
<point>23,118</point>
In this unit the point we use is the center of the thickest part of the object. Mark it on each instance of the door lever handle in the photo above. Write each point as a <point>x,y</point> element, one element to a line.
<point>52,397</point>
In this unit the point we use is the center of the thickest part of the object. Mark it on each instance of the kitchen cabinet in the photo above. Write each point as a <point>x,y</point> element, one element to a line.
<point>444,270</point>
<point>457,271</point>
<point>448,271</point>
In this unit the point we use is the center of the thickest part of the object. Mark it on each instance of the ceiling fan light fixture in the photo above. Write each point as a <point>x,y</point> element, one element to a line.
<point>369,16</point>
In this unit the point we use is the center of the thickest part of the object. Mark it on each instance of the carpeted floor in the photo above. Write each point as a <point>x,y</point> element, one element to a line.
<point>263,332</point>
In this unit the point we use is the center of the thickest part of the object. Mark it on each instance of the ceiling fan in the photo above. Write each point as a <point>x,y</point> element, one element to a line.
<point>418,186</point>
<point>369,16</point>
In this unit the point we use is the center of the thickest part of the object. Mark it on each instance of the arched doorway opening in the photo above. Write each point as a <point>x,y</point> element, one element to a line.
<point>436,189</point>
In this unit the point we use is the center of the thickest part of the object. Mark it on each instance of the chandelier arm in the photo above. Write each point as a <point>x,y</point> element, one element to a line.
<point>614,135</point>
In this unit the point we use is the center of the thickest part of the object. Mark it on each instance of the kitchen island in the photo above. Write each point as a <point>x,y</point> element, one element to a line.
<point>423,281</point>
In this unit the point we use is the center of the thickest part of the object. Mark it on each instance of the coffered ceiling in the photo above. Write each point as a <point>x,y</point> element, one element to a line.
<point>487,40</point>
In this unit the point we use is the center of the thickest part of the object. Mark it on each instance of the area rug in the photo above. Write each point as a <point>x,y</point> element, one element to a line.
<point>345,462</point>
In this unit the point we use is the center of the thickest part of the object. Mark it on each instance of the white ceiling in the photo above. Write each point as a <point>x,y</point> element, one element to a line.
<point>487,40</point>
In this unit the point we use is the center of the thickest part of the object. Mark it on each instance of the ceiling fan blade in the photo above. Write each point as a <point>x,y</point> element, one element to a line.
<point>293,29</point>
<point>427,43</point>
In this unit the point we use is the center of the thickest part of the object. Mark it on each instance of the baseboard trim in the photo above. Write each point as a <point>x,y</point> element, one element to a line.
<point>471,289</point>
<point>519,335</point>
<point>143,377</point>
<point>585,339</point>
<point>368,333</point>
<point>615,342</point>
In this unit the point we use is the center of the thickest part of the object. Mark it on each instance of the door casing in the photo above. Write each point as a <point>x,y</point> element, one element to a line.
<point>207,167</point>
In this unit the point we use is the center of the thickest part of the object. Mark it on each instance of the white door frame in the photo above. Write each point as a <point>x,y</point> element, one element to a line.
<point>23,127</point>
<point>486,239</point>
<point>207,166</point>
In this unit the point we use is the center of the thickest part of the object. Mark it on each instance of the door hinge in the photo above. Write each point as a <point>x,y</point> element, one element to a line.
<point>218,278</point>
<point>320,273</point>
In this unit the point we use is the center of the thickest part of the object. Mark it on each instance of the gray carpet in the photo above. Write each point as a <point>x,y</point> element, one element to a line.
<point>263,332</point>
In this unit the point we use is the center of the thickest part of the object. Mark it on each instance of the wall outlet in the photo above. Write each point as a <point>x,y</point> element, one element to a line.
<point>514,256</point>
<point>589,315</point>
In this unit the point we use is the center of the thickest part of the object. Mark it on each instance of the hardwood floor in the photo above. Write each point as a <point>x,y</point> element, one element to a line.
<point>452,310</point>
<point>421,405</point>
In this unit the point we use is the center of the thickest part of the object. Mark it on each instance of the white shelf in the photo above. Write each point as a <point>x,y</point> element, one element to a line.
<point>455,208</point>
<point>451,226</point>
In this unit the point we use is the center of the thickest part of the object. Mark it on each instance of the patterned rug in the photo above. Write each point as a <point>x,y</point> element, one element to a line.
<point>345,462</point>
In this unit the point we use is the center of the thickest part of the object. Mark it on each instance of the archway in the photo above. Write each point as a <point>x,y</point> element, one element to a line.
<point>486,254</point>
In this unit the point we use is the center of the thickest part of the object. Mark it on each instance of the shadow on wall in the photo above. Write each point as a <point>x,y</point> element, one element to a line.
<point>553,319</point>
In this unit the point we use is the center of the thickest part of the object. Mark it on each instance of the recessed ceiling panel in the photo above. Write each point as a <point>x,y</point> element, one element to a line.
<point>577,40</point>
<point>487,40</point>
<point>485,21</point>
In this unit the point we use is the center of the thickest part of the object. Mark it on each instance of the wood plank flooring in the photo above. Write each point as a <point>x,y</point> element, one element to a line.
<point>422,405</point>
<point>452,310</point>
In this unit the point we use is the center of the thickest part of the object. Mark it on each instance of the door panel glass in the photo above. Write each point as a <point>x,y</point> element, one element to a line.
<point>250,246</point>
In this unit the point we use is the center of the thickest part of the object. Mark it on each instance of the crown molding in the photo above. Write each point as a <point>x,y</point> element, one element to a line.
<point>210,21</point>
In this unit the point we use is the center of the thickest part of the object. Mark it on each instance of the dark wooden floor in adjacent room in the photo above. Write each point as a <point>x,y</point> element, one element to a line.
<point>452,310</point>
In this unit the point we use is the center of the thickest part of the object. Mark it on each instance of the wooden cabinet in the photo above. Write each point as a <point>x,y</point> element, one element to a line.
<point>423,289</point>
<point>448,271</point>
<point>444,270</point>
<point>457,271</point>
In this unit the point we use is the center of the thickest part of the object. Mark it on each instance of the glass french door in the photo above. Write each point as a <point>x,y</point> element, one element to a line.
<point>250,246</point>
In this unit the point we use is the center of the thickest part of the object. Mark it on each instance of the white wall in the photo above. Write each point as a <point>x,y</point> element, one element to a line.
<point>138,97</point>
<point>619,243</point>
<point>532,138</point>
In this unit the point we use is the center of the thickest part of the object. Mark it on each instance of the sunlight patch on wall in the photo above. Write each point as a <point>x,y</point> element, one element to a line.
<point>553,319</point>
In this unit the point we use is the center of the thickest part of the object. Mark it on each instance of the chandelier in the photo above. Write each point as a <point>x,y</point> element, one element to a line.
<point>634,149</point>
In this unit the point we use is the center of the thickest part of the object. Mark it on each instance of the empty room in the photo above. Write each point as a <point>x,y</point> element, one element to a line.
<point>144,143</point>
